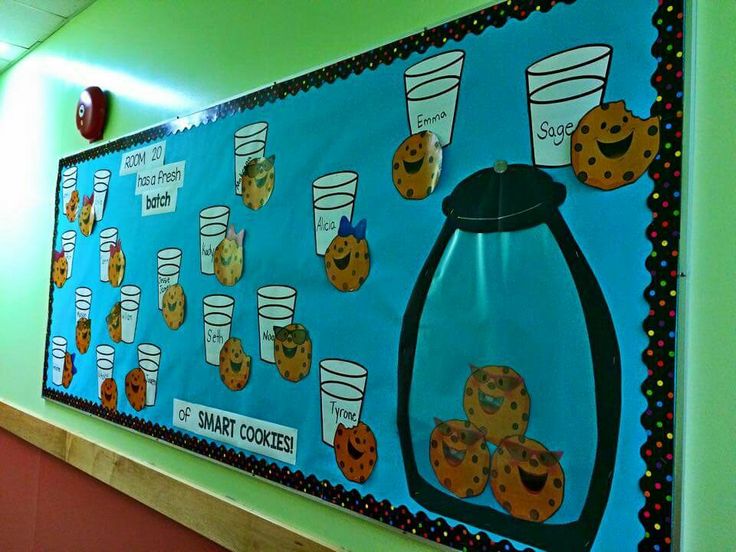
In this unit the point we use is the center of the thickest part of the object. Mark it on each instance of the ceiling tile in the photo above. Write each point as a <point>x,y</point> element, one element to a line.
<point>3,64</point>
<point>23,25</point>
<point>64,8</point>
<point>9,52</point>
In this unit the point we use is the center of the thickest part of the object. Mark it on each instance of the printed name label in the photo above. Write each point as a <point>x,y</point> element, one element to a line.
<point>165,176</point>
<point>143,158</point>
<point>272,440</point>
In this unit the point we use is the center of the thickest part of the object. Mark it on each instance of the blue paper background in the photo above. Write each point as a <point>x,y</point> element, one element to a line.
<point>356,124</point>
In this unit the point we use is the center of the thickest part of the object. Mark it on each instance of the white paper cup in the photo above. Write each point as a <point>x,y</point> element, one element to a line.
<point>345,371</point>
<point>130,297</point>
<point>105,352</point>
<point>104,371</point>
<point>268,317</point>
<point>216,333</point>
<point>149,351</point>
<point>68,183</point>
<point>554,111</point>
<point>101,183</point>
<point>250,142</point>
<point>333,197</point>
<point>131,293</point>
<point>341,404</point>
<point>58,354</point>
<point>68,243</point>
<point>150,369</point>
<point>590,60</point>
<point>221,304</point>
<point>108,237</point>
<point>169,265</point>
<point>212,228</point>
<point>82,302</point>
<point>432,86</point>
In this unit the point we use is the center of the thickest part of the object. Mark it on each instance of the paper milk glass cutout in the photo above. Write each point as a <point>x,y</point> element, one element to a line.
<point>58,354</point>
<point>505,303</point>
<point>130,299</point>
<point>342,388</point>
<point>250,142</point>
<point>82,302</point>
<point>333,197</point>
<point>212,228</point>
<point>68,184</point>
<point>149,359</point>
<point>218,318</point>
<point>561,88</point>
<point>105,363</point>
<point>432,86</point>
<point>168,266</point>
<point>68,243</point>
<point>276,304</point>
<point>100,185</point>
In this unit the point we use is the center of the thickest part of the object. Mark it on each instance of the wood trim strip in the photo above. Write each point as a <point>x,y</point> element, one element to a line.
<point>216,518</point>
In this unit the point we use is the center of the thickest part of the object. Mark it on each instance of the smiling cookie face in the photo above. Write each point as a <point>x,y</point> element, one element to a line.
<point>113,323</point>
<point>257,180</point>
<point>417,164</point>
<point>459,457</point>
<point>135,388</point>
<point>611,147</point>
<point>292,351</point>
<point>347,260</point>
<point>234,365</point>
<point>527,479</point>
<point>87,216</point>
<point>58,269</point>
<point>83,334</point>
<point>173,306</point>
<point>356,451</point>
<point>497,402</point>
<point>116,268</point>
<point>70,209</point>
<point>109,394</point>
<point>69,370</point>
<point>228,259</point>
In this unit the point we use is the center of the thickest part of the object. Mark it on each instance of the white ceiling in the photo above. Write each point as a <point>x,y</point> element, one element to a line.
<point>26,23</point>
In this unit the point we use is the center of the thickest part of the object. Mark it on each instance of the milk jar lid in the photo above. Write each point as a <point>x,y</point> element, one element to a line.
<point>503,198</point>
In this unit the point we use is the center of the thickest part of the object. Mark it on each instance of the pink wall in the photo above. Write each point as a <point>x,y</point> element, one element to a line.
<point>45,504</point>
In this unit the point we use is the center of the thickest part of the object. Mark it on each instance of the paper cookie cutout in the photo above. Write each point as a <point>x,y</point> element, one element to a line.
<point>69,370</point>
<point>70,209</point>
<point>459,457</point>
<point>109,394</point>
<point>173,306</point>
<point>347,261</point>
<point>87,216</point>
<point>496,400</point>
<point>114,327</point>
<point>116,267</point>
<point>135,388</point>
<point>228,260</point>
<point>527,479</point>
<point>59,268</point>
<point>356,451</point>
<point>417,165</point>
<point>257,181</point>
<point>292,351</point>
<point>83,334</point>
<point>611,147</point>
<point>234,365</point>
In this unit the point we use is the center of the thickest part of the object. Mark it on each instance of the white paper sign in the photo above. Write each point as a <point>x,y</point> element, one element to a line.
<point>158,201</point>
<point>272,440</point>
<point>165,176</point>
<point>143,158</point>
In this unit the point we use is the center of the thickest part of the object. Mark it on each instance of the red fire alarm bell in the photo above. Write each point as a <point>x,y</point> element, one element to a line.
<point>91,113</point>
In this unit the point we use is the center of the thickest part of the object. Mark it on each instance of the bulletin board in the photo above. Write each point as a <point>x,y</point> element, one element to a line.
<point>410,284</point>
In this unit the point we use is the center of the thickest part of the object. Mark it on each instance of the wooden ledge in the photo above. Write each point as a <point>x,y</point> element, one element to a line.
<point>216,518</point>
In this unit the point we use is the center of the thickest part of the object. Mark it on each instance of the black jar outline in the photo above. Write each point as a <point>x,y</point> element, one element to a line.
<point>466,211</point>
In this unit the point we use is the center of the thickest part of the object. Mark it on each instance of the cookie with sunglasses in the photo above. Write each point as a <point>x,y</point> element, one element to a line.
<point>527,479</point>
<point>292,351</point>
<point>459,456</point>
<point>497,401</point>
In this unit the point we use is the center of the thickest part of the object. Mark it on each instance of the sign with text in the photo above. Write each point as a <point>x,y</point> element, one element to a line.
<point>143,158</point>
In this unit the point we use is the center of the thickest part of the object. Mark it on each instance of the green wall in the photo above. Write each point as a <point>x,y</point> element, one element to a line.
<point>167,58</point>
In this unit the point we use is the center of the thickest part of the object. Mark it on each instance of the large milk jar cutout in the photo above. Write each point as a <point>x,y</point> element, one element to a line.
<point>507,285</point>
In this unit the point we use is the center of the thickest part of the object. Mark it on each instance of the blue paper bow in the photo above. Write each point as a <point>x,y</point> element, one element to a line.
<point>347,229</point>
